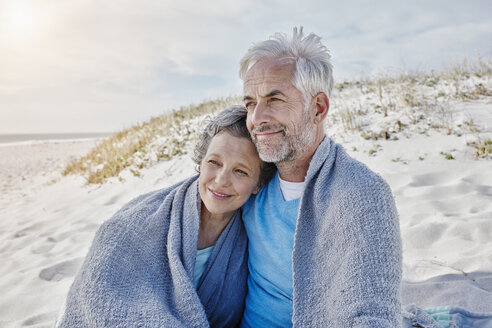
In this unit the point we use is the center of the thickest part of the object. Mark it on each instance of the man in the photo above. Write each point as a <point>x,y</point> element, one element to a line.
<point>324,242</point>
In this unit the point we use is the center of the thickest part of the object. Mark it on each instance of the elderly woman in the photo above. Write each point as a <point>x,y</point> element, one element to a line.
<point>176,257</point>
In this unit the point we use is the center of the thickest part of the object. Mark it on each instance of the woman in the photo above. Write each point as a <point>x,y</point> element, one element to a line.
<point>176,257</point>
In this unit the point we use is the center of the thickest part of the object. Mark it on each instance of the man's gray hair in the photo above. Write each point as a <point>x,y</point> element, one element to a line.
<point>233,121</point>
<point>313,71</point>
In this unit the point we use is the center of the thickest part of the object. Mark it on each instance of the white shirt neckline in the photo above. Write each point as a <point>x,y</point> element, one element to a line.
<point>291,190</point>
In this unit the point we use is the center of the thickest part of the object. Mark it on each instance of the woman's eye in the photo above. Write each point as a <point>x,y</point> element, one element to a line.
<point>213,162</point>
<point>241,172</point>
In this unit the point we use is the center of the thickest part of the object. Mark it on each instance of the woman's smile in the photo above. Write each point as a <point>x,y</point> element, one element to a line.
<point>219,195</point>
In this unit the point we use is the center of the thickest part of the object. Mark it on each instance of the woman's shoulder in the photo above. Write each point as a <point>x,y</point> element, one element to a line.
<point>146,204</point>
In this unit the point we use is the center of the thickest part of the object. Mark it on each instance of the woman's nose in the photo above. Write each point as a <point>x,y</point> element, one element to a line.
<point>222,178</point>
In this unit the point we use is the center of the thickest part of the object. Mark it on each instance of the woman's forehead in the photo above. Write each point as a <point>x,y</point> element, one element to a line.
<point>233,148</point>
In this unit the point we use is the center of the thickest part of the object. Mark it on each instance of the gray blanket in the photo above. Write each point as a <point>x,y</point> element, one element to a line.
<point>347,247</point>
<point>347,253</point>
<point>139,270</point>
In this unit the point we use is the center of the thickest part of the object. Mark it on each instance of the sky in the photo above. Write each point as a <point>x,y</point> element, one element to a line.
<point>102,66</point>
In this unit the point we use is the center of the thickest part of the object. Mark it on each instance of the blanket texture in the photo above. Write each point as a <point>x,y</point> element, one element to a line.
<point>139,270</point>
<point>347,246</point>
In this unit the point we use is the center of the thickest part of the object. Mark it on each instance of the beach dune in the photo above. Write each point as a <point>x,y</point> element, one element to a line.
<point>443,194</point>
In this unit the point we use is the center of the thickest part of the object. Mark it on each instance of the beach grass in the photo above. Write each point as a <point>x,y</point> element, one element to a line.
<point>129,148</point>
<point>399,102</point>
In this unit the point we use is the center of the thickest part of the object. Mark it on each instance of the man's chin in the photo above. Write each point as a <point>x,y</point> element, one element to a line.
<point>270,155</point>
<point>267,154</point>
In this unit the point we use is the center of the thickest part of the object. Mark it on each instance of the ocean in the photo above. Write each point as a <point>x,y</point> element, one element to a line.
<point>36,137</point>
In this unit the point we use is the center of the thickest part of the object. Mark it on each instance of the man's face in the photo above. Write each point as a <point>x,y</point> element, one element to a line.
<point>278,119</point>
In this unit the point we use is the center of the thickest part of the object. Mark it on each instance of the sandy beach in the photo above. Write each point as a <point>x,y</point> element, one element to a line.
<point>24,162</point>
<point>47,221</point>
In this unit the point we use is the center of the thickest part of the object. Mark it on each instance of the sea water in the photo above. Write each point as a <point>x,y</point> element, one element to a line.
<point>42,137</point>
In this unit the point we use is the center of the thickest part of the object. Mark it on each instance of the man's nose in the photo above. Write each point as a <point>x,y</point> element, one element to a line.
<point>260,114</point>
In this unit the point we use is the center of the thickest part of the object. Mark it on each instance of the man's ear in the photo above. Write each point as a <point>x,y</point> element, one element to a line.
<point>322,104</point>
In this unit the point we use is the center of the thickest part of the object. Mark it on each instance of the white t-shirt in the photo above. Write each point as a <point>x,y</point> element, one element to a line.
<point>291,190</point>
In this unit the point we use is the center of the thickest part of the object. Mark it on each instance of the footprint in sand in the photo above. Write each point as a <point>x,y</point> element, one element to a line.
<point>113,200</point>
<point>30,229</point>
<point>430,179</point>
<point>424,235</point>
<point>61,270</point>
<point>43,318</point>
<point>484,190</point>
<point>43,247</point>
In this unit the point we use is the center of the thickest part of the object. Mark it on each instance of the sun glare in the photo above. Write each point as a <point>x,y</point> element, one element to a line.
<point>18,23</point>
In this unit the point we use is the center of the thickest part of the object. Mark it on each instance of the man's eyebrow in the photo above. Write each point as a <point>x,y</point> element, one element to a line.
<point>268,95</point>
<point>274,93</point>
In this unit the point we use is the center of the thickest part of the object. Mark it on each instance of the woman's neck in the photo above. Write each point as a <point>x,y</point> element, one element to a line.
<point>211,226</point>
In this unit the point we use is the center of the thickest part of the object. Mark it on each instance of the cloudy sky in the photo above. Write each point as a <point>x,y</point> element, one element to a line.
<point>100,66</point>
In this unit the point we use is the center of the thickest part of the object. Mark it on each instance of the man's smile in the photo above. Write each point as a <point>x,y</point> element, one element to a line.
<point>266,135</point>
<point>266,132</point>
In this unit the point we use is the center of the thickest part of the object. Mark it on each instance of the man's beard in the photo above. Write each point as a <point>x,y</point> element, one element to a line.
<point>285,150</point>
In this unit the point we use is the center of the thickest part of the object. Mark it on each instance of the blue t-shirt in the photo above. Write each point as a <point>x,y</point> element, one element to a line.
<point>270,223</point>
<point>202,256</point>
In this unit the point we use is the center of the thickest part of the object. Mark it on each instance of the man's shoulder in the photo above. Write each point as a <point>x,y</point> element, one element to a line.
<point>343,170</point>
<point>354,168</point>
<point>351,185</point>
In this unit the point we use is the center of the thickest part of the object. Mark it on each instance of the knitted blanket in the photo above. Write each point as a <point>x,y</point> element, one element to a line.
<point>139,270</point>
<point>347,253</point>
<point>347,246</point>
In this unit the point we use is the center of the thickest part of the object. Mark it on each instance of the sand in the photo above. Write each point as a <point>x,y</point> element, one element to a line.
<point>47,221</point>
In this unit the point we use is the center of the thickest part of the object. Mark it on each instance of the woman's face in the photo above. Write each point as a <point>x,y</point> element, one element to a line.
<point>229,173</point>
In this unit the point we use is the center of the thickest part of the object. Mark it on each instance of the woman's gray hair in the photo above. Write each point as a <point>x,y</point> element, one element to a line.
<point>313,72</point>
<point>233,121</point>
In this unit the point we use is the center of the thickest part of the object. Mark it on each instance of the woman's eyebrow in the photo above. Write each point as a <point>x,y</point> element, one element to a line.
<point>214,155</point>
<point>244,165</point>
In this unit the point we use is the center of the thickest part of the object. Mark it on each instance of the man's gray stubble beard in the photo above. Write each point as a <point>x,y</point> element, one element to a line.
<point>290,145</point>
<point>275,154</point>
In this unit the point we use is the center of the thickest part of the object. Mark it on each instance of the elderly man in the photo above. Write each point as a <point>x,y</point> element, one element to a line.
<point>324,240</point>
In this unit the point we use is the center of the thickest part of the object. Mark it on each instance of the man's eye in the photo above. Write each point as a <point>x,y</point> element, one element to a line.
<point>250,105</point>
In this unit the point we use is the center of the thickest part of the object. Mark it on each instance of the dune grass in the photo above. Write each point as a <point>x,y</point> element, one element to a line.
<point>382,106</point>
<point>129,148</point>
<point>378,107</point>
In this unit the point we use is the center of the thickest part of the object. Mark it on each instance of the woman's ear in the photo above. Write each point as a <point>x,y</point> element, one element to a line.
<point>257,189</point>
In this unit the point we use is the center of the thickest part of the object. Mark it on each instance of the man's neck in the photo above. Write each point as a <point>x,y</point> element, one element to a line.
<point>296,169</point>
<point>293,171</point>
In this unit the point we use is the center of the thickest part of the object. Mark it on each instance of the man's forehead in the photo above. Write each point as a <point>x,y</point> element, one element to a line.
<point>267,74</point>
<point>277,65</point>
